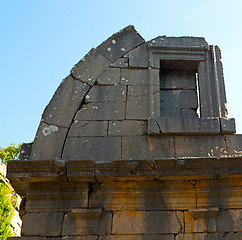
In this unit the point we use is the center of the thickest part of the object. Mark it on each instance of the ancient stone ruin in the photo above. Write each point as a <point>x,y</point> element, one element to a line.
<point>135,145</point>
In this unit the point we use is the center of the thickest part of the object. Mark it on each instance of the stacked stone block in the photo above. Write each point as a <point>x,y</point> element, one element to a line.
<point>121,152</point>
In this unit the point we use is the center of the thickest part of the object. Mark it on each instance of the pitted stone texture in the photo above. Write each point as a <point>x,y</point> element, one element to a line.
<point>228,125</point>
<point>25,151</point>
<point>121,63</point>
<point>48,142</point>
<point>88,128</point>
<point>99,149</point>
<point>120,43</point>
<point>101,111</point>
<point>142,222</point>
<point>65,102</point>
<point>198,236</point>
<point>42,224</point>
<point>137,107</point>
<point>109,77</point>
<point>137,91</point>
<point>127,128</point>
<point>90,67</point>
<point>139,57</point>
<point>106,94</point>
<point>147,148</point>
<point>226,221</point>
<point>138,237</point>
<point>87,222</point>
<point>134,77</point>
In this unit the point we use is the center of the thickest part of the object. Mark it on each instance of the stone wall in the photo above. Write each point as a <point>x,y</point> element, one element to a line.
<point>135,144</point>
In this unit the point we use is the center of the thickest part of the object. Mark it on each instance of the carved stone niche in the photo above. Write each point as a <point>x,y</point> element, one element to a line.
<point>186,88</point>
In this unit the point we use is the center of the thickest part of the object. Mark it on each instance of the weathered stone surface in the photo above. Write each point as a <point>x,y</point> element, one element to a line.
<point>55,238</point>
<point>147,148</point>
<point>177,79</point>
<point>234,144</point>
<point>25,151</point>
<point>137,107</point>
<point>66,101</point>
<point>106,94</point>
<point>87,222</point>
<point>141,222</point>
<point>227,125</point>
<point>109,77</point>
<point>221,193</point>
<point>90,67</point>
<point>42,224</point>
<point>139,57</point>
<point>56,197</point>
<point>102,111</point>
<point>200,146</point>
<point>188,113</point>
<point>127,128</point>
<point>178,99</point>
<point>121,63</point>
<point>48,142</point>
<point>198,236</point>
<point>147,195</point>
<point>232,236</point>
<point>226,221</point>
<point>138,237</point>
<point>172,125</point>
<point>120,43</point>
<point>99,149</point>
<point>134,77</point>
<point>88,128</point>
<point>137,91</point>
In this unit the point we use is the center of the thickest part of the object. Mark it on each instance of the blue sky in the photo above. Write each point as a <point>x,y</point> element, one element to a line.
<point>41,41</point>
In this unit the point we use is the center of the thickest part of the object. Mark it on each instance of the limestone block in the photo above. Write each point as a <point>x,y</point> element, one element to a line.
<point>109,77</point>
<point>87,222</point>
<point>139,57</point>
<point>137,90</point>
<point>137,107</point>
<point>188,125</point>
<point>175,79</point>
<point>134,77</point>
<point>66,101</point>
<point>198,236</point>
<point>142,222</point>
<point>147,148</point>
<point>226,221</point>
<point>56,197</point>
<point>121,63</point>
<point>147,195</point>
<point>80,171</point>
<point>42,224</point>
<point>221,193</point>
<point>178,99</point>
<point>179,41</point>
<point>120,43</point>
<point>138,237</point>
<point>102,111</point>
<point>88,128</point>
<point>127,128</point>
<point>48,142</point>
<point>90,67</point>
<point>99,149</point>
<point>234,144</point>
<point>188,113</point>
<point>170,112</point>
<point>228,125</point>
<point>232,236</point>
<point>106,94</point>
<point>200,146</point>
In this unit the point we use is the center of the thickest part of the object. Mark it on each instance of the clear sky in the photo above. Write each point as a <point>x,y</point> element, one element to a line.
<point>41,40</point>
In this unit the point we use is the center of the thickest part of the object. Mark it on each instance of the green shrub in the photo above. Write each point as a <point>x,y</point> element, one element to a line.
<point>6,211</point>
